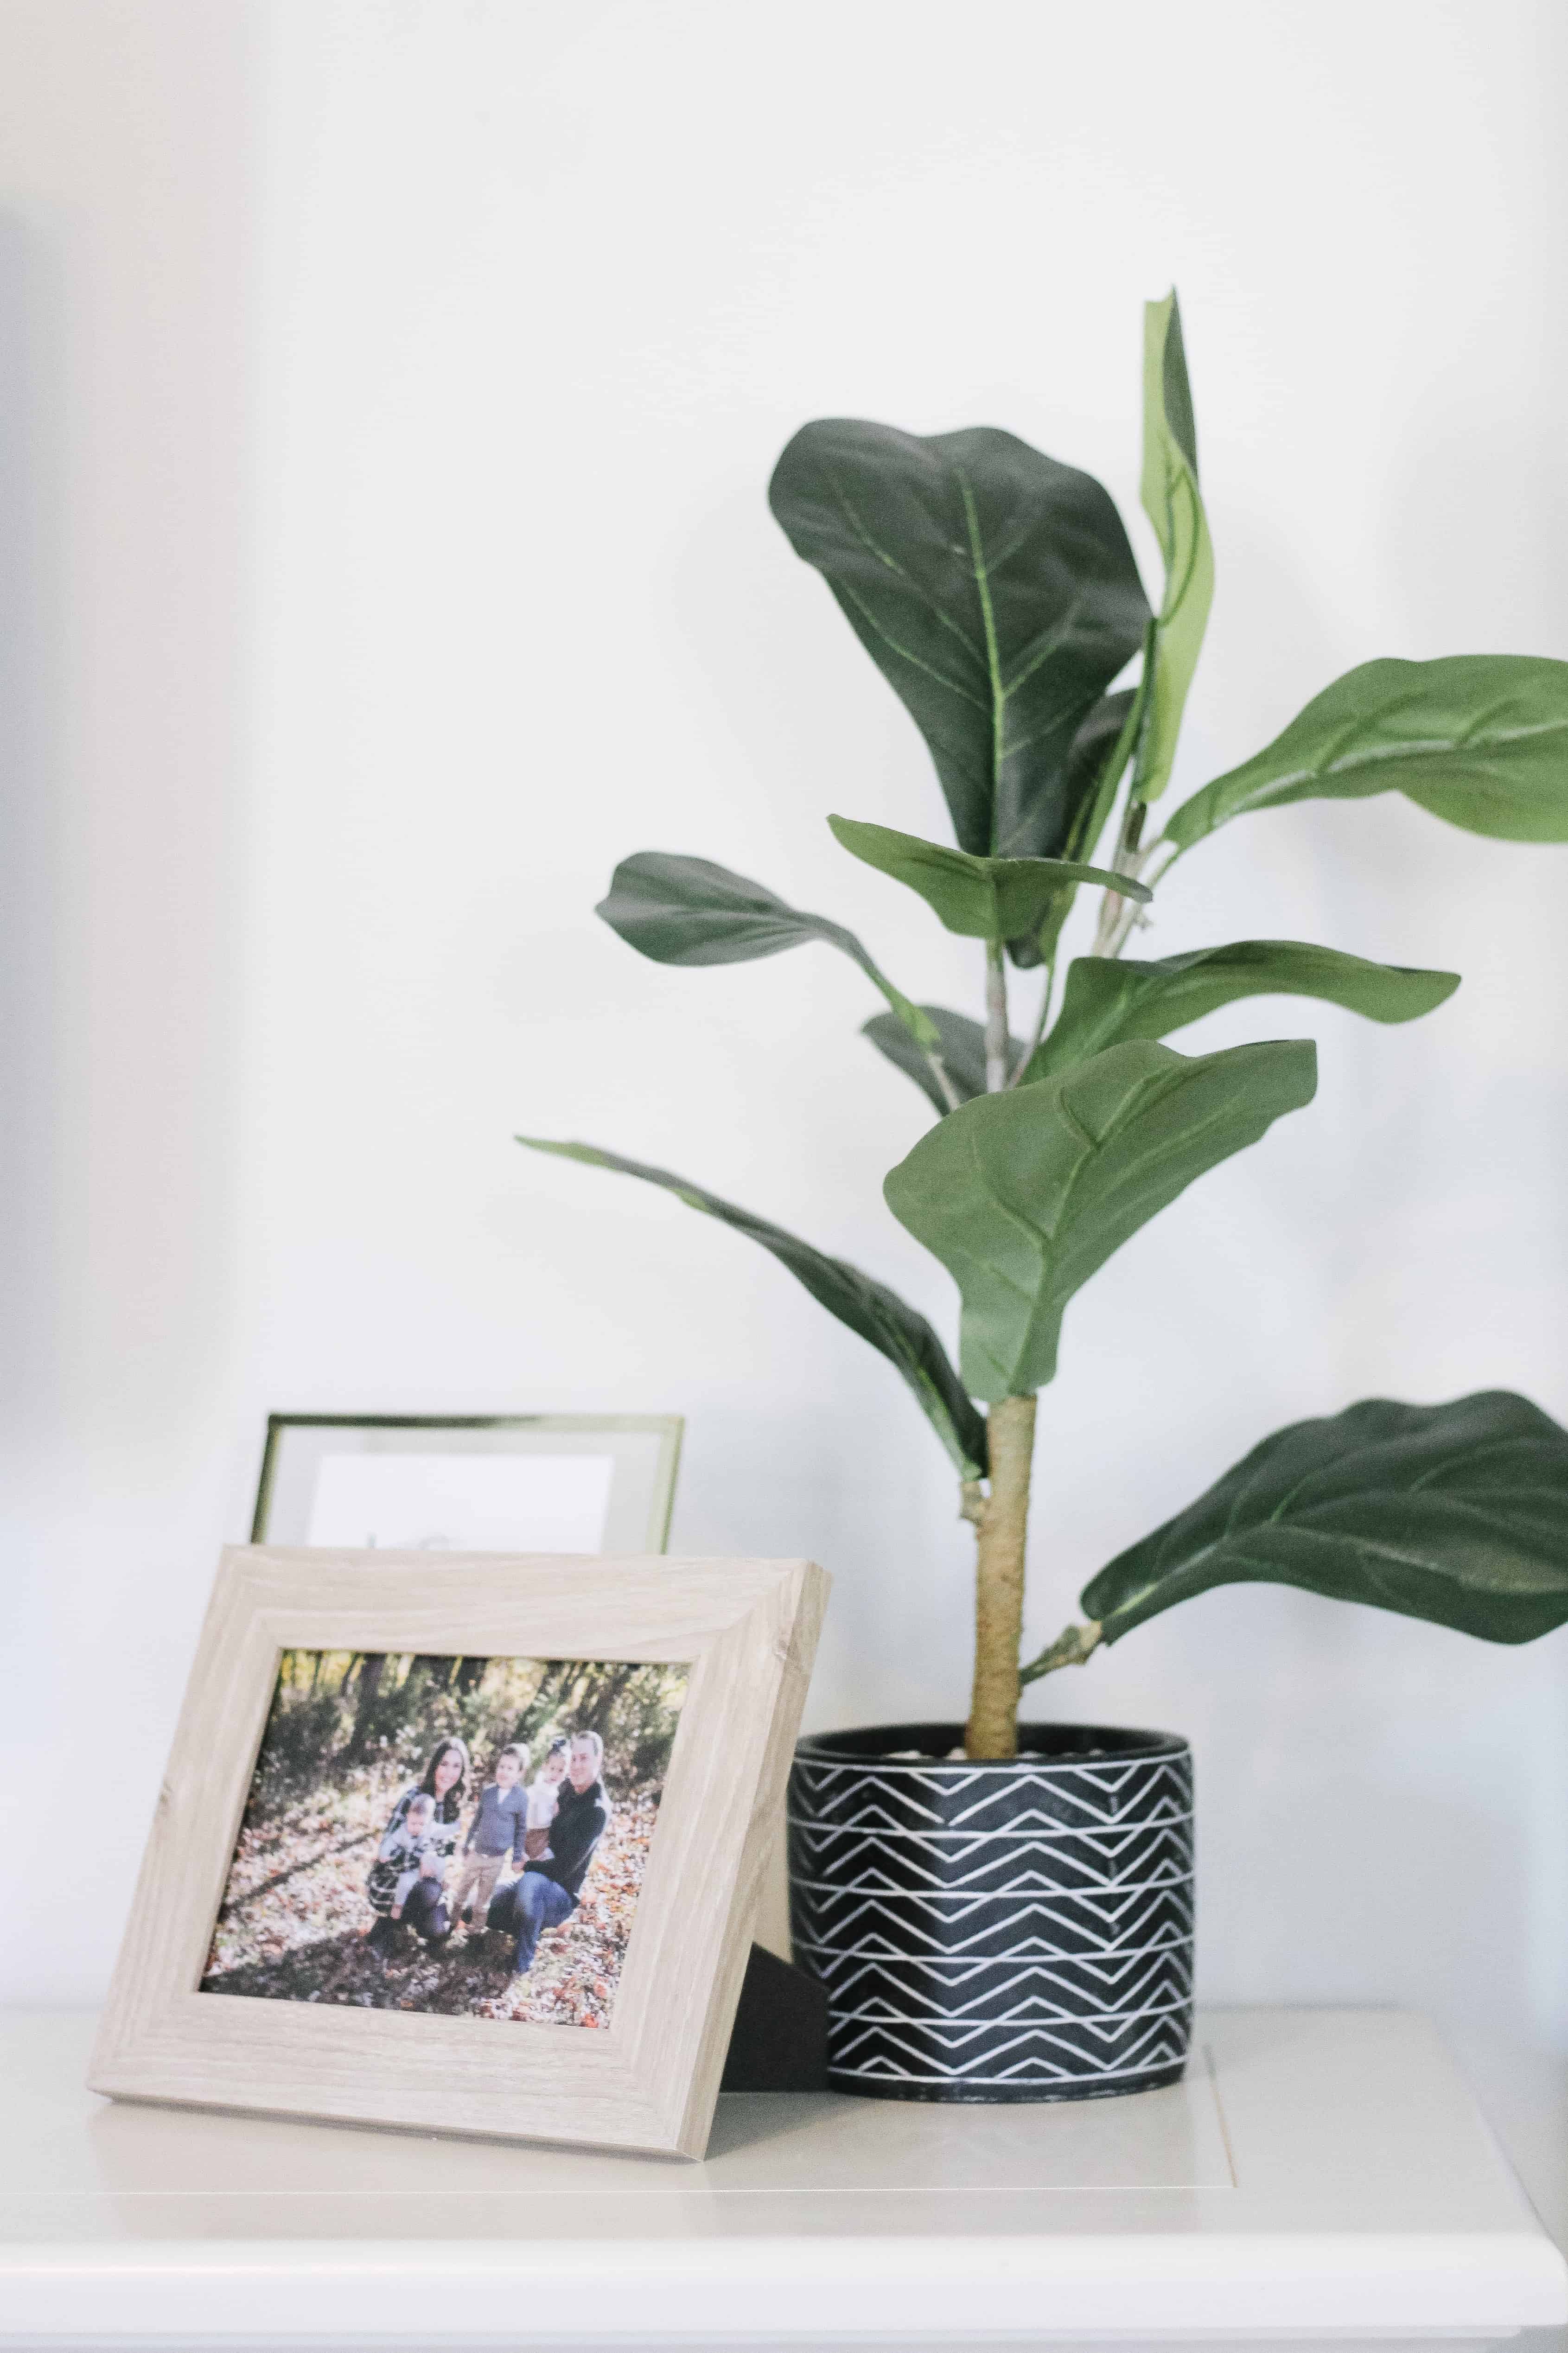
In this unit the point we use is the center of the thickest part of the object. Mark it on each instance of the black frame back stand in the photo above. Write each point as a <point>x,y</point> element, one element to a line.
<point>780,2039</point>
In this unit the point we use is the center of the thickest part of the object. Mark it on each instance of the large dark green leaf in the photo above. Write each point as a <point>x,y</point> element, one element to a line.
<point>1454,1512</point>
<point>961,1052</point>
<point>1106,1000</point>
<point>1100,754</point>
<point>993,589</point>
<point>979,898</point>
<point>868,1307</point>
<point>1023,1196</point>
<point>1101,751</point>
<point>1173,505</point>
<point>686,911</point>
<point>1479,739</point>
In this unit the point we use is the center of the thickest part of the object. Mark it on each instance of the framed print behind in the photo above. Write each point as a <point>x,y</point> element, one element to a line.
<point>498,1482</point>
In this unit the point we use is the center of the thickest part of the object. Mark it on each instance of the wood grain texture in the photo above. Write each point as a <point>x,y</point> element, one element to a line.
<point>749,1629</point>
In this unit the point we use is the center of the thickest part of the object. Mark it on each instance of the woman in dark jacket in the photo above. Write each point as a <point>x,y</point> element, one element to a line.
<point>446,1783</point>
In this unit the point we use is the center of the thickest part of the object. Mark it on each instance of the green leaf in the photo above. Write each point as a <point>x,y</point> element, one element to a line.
<point>866,1306</point>
<point>1479,739</point>
<point>980,898</point>
<point>685,911</point>
<point>961,1050</point>
<point>1023,1196</point>
<point>1095,768</point>
<point>1174,505</point>
<point>1457,1514</point>
<point>1106,1001</point>
<point>994,589</point>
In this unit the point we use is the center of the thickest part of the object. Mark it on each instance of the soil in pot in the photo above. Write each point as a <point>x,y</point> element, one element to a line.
<point>1016,1930</point>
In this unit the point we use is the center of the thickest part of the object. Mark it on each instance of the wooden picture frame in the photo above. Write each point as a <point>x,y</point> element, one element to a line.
<point>747,1630</point>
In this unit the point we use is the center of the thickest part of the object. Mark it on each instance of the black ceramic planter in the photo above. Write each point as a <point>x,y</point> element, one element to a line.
<point>1012,1931</point>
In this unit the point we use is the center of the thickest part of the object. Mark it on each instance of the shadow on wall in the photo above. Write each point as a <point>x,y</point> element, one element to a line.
<point>32,805</point>
<point>123,405</point>
<point>126,368</point>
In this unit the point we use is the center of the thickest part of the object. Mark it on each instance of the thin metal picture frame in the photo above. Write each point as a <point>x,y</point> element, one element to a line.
<point>651,1532</point>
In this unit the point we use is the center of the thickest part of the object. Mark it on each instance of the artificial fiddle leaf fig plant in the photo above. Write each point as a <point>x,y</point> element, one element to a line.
<point>997,592</point>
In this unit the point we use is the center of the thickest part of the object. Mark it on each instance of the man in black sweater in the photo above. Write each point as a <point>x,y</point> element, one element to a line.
<point>548,1890</point>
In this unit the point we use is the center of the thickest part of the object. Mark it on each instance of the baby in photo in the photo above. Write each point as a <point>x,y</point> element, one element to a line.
<point>408,1851</point>
<point>416,1858</point>
<point>543,1799</point>
<point>496,1832</point>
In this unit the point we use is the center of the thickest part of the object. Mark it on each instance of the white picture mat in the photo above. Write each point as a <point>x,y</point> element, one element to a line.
<point>461,1503</point>
<point>644,1450</point>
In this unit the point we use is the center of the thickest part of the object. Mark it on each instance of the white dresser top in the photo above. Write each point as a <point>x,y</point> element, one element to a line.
<point>1321,2172</point>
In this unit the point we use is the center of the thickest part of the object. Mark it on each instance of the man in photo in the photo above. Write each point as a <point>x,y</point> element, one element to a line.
<point>548,1890</point>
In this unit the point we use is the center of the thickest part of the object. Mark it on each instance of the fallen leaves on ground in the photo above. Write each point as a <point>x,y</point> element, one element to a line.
<point>292,1921</point>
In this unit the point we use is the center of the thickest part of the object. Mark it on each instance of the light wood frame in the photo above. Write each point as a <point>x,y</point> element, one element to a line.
<point>648,2082</point>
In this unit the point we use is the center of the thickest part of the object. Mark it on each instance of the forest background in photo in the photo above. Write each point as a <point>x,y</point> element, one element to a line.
<point>348,1732</point>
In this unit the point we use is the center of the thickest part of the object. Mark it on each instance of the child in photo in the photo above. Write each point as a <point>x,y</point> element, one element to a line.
<point>496,1830</point>
<point>544,1799</point>
<point>419,1906</point>
<point>404,1855</point>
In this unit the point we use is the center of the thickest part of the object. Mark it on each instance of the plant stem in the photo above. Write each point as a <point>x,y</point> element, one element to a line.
<point>1073,1647</point>
<point>995,1017</point>
<point>992,1726</point>
<point>1116,914</point>
<point>1038,1031</point>
<point>938,1069</point>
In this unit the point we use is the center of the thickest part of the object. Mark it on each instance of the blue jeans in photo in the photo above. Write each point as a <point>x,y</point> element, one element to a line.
<point>532,1905</point>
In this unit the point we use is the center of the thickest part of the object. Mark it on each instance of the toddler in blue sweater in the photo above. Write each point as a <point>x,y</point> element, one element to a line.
<point>497,1829</point>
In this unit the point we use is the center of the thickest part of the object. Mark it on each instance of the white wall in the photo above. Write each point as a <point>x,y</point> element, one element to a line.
<point>397,389</point>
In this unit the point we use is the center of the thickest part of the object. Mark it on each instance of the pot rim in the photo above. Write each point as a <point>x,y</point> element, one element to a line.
<point>869,1745</point>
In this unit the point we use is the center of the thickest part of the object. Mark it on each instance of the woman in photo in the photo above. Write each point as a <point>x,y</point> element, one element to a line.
<point>445,1785</point>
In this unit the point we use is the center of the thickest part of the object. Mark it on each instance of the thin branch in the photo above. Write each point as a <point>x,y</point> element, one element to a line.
<point>1157,861</point>
<point>1072,1647</point>
<point>938,1069</point>
<point>1033,1047</point>
<point>995,1017</point>
<point>1117,914</point>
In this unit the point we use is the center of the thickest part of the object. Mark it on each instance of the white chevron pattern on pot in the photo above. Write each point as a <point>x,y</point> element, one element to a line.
<point>1122,2051</point>
<point>1112,2036</point>
<point>865,1987</point>
<point>959,1797</point>
<point>1131,1920</point>
<point>1024,1830</point>
<point>1146,1855</point>
<point>1007,1931</point>
<point>1104,1979</point>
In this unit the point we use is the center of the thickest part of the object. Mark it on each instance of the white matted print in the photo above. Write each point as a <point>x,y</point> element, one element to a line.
<point>525,1483</point>
<point>461,1503</point>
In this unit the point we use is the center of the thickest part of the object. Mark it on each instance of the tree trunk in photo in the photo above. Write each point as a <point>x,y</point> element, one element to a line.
<point>597,1710</point>
<point>543,1700</point>
<point>371,1667</point>
<point>470,1675</point>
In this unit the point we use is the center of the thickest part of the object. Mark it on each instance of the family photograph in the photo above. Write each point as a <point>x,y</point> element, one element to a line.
<point>452,1834</point>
